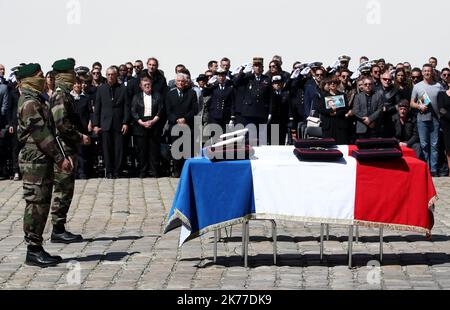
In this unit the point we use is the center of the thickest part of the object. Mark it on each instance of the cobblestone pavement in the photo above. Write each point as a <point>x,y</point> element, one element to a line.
<point>122,222</point>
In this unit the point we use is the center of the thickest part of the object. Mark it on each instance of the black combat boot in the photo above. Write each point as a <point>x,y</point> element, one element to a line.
<point>61,235</point>
<point>37,256</point>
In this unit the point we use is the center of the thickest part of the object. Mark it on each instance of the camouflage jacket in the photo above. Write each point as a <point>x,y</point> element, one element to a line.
<point>65,119</point>
<point>34,129</point>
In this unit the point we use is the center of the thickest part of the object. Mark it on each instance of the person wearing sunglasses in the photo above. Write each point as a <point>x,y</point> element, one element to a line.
<point>390,97</point>
<point>97,78</point>
<point>345,86</point>
<point>445,78</point>
<point>277,63</point>
<point>368,111</point>
<point>274,69</point>
<point>138,66</point>
<point>335,123</point>
<point>312,89</point>
<point>416,76</point>
<point>375,73</point>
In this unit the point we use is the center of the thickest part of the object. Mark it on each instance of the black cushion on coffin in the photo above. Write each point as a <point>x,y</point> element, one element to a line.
<point>307,143</point>
<point>318,154</point>
<point>230,153</point>
<point>376,143</point>
<point>377,154</point>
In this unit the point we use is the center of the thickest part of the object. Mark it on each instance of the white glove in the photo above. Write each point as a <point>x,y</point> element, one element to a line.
<point>305,71</point>
<point>248,68</point>
<point>295,74</point>
<point>231,123</point>
<point>335,65</point>
<point>269,118</point>
<point>237,70</point>
<point>212,80</point>
<point>355,75</point>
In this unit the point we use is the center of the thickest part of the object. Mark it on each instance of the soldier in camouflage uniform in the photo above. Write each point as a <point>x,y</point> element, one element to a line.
<point>67,126</point>
<point>36,160</point>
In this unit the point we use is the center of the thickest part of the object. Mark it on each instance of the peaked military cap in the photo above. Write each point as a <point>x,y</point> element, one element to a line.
<point>277,79</point>
<point>258,61</point>
<point>301,66</point>
<point>315,65</point>
<point>221,71</point>
<point>82,70</point>
<point>344,58</point>
<point>202,77</point>
<point>64,65</point>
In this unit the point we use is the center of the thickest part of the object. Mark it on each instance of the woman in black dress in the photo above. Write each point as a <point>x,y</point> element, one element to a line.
<point>333,113</point>
<point>401,83</point>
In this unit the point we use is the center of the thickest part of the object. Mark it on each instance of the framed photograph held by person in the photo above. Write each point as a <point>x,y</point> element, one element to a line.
<point>335,102</point>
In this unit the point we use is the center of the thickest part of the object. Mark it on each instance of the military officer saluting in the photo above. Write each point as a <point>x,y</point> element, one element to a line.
<point>67,125</point>
<point>256,88</point>
<point>221,101</point>
<point>36,159</point>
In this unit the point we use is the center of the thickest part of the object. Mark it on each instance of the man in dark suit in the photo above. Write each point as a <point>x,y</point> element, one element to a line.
<point>181,107</point>
<point>111,116</point>
<point>221,100</point>
<point>146,111</point>
<point>312,89</point>
<point>256,88</point>
<point>390,97</point>
<point>279,110</point>
<point>405,126</point>
<point>368,111</point>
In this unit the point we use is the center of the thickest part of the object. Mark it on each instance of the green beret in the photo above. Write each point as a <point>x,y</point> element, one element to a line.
<point>64,65</point>
<point>28,70</point>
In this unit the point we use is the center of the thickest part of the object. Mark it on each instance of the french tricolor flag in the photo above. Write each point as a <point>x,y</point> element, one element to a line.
<point>274,184</point>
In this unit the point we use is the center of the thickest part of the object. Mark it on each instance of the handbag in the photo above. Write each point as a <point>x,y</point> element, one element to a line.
<point>313,121</point>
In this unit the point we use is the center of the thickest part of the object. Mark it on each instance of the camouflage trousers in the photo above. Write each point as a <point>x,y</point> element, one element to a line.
<point>37,172</point>
<point>63,189</point>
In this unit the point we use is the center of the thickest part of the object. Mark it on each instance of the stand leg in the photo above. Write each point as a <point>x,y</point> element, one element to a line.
<point>357,233</point>
<point>328,232</point>
<point>381,244</point>
<point>215,245</point>
<point>321,241</point>
<point>274,237</point>
<point>247,238</point>
<point>350,245</point>
<point>244,230</point>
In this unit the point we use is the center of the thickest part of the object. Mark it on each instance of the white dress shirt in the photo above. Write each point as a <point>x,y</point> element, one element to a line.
<point>147,105</point>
